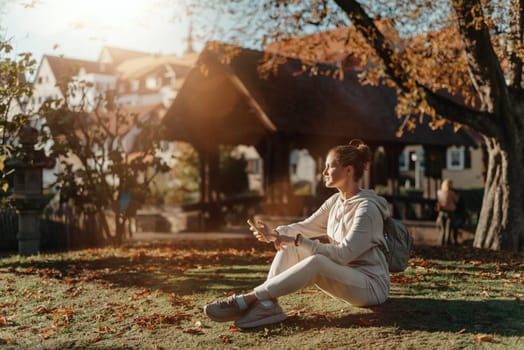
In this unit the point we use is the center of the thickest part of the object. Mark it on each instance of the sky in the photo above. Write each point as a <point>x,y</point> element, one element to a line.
<point>80,28</point>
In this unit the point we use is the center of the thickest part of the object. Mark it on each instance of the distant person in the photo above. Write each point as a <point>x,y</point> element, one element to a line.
<point>351,267</point>
<point>447,200</point>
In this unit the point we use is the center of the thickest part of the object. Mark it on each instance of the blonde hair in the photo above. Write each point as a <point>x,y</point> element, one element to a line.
<point>356,154</point>
<point>446,185</point>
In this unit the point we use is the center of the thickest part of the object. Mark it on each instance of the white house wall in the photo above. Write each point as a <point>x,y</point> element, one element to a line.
<point>44,86</point>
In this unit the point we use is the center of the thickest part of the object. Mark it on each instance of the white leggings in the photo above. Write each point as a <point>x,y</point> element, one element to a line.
<point>294,268</point>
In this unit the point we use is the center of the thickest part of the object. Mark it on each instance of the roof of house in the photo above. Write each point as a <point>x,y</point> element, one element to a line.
<point>65,67</point>
<point>227,101</point>
<point>139,67</point>
<point>118,55</point>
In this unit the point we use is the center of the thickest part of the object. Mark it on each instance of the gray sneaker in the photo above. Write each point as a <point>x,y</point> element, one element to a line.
<point>262,313</point>
<point>224,310</point>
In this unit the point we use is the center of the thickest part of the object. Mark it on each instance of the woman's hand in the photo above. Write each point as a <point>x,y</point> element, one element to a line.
<point>263,232</point>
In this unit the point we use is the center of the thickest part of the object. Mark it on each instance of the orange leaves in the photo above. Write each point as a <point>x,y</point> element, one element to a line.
<point>150,322</point>
<point>483,338</point>
<point>425,263</point>
<point>177,301</point>
<point>138,295</point>
<point>44,310</point>
<point>234,329</point>
<point>226,339</point>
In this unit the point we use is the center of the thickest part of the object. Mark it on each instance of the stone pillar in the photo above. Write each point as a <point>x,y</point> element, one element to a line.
<point>27,196</point>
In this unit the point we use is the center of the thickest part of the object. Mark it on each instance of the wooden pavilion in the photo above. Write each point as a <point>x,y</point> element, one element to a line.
<point>225,100</point>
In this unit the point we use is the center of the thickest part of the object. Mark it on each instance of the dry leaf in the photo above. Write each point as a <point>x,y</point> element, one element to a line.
<point>234,329</point>
<point>225,338</point>
<point>96,338</point>
<point>483,337</point>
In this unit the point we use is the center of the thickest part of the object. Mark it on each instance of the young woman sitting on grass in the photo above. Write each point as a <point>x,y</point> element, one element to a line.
<point>351,267</point>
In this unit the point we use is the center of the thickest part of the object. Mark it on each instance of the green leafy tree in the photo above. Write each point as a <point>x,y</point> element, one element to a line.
<point>100,172</point>
<point>14,94</point>
<point>186,174</point>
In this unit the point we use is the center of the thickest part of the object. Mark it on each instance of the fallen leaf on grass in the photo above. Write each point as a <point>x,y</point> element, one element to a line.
<point>483,338</point>
<point>46,335</point>
<point>7,341</point>
<point>225,338</point>
<point>149,322</point>
<point>142,293</point>
<point>193,331</point>
<point>96,339</point>
<point>234,329</point>
<point>44,310</point>
<point>463,330</point>
<point>295,312</point>
<point>425,263</point>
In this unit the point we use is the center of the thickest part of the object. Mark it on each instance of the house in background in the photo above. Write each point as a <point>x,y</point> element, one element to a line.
<point>141,82</point>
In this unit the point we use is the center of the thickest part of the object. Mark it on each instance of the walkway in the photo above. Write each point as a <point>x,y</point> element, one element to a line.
<point>424,233</point>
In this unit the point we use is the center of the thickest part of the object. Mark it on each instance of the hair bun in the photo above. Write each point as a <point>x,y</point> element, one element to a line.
<point>363,149</point>
<point>356,143</point>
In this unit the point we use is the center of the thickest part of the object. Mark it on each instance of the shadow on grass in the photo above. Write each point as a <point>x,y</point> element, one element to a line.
<point>222,269</point>
<point>219,269</point>
<point>468,253</point>
<point>502,317</point>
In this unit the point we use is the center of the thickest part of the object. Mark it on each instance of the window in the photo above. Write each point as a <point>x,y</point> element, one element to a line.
<point>413,158</point>
<point>455,158</point>
<point>402,161</point>
<point>254,166</point>
<point>151,83</point>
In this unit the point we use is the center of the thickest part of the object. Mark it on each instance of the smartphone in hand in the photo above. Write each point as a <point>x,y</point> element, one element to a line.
<point>251,222</point>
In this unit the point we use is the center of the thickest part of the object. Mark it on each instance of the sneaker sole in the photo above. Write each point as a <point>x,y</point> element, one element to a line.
<point>262,322</point>
<point>219,319</point>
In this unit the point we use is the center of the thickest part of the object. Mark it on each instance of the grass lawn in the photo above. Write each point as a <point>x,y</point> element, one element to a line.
<point>150,296</point>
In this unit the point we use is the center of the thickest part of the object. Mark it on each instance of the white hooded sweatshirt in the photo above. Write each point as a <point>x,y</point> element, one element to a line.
<point>355,230</point>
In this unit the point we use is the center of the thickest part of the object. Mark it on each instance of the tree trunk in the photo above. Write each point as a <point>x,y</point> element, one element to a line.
<point>501,221</point>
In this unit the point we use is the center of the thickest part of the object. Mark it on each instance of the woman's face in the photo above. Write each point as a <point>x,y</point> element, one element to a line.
<point>335,175</point>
